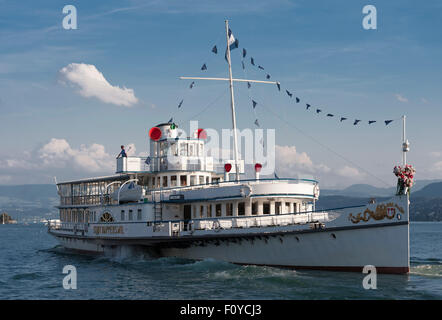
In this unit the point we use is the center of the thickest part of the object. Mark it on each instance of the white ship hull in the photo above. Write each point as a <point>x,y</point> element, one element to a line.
<point>346,243</point>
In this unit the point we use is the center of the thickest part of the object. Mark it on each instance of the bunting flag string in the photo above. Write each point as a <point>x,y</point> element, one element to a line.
<point>233,43</point>
<point>298,100</point>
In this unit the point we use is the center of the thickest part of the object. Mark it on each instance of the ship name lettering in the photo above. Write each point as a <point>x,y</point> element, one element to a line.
<point>108,230</point>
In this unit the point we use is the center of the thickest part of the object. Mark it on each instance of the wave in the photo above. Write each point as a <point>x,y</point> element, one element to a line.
<point>429,270</point>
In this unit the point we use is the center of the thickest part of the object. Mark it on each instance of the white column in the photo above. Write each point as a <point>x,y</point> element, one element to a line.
<point>260,208</point>
<point>235,209</point>
<point>248,207</point>
<point>272,207</point>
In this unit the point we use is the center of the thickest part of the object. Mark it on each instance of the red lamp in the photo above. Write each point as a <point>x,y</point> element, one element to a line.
<point>202,134</point>
<point>228,167</point>
<point>155,133</point>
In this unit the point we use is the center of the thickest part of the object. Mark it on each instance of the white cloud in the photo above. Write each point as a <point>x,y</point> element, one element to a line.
<point>401,98</point>
<point>438,166</point>
<point>91,83</point>
<point>290,162</point>
<point>350,172</point>
<point>58,158</point>
<point>58,153</point>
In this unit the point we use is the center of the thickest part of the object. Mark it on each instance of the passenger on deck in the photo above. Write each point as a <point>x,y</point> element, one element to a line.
<point>122,154</point>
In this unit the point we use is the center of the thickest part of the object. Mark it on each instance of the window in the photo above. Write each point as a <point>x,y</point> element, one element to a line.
<point>266,208</point>
<point>183,181</point>
<point>201,211</point>
<point>207,180</point>
<point>174,149</point>
<point>201,179</point>
<point>183,149</point>
<point>164,181</point>
<point>139,214</point>
<point>229,209</point>
<point>278,207</point>
<point>122,215</point>
<point>192,180</point>
<point>131,216</point>
<point>218,210</point>
<point>191,148</point>
<point>173,181</point>
<point>287,207</point>
<point>254,208</point>
<point>241,209</point>
<point>209,210</point>
<point>194,212</point>
<point>153,182</point>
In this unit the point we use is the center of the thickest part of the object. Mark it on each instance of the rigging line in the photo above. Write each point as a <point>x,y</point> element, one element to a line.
<point>188,91</point>
<point>224,92</point>
<point>246,77</point>
<point>324,146</point>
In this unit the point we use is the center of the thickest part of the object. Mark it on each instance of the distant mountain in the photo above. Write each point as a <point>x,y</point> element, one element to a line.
<point>29,192</point>
<point>366,190</point>
<point>29,202</point>
<point>433,190</point>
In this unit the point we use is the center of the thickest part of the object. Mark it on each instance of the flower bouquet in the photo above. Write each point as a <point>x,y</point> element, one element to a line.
<point>405,177</point>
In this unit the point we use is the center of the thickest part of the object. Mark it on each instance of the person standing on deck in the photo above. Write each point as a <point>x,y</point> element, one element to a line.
<point>122,154</point>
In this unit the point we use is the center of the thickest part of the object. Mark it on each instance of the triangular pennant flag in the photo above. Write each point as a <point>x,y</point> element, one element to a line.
<point>371,121</point>
<point>387,122</point>
<point>297,100</point>
<point>179,106</point>
<point>170,121</point>
<point>308,106</point>
<point>318,110</point>
<point>254,103</point>
<point>243,66</point>
<point>279,86</point>
<point>268,76</point>
<point>204,67</point>
<point>214,50</point>
<point>257,123</point>
<point>248,85</point>
<point>330,115</point>
<point>276,176</point>
<point>252,61</point>
<point>244,52</point>
<point>356,122</point>
<point>289,94</point>
<point>192,84</point>
<point>342,119</point>
<point>259,67</point>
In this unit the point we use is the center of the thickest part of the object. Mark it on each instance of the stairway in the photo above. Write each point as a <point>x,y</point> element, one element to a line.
<point>157,208</point>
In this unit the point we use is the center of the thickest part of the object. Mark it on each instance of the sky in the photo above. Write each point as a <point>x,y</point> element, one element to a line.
<point>70,98</point>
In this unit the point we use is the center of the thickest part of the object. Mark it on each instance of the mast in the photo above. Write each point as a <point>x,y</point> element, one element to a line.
<point>232,104</point>
<point>405,143</point>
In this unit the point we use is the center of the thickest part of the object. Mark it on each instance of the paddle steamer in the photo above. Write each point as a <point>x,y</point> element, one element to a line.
<point>178,203</point>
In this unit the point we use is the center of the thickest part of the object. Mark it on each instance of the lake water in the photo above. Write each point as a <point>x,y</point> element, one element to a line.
<point>31,264</point>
